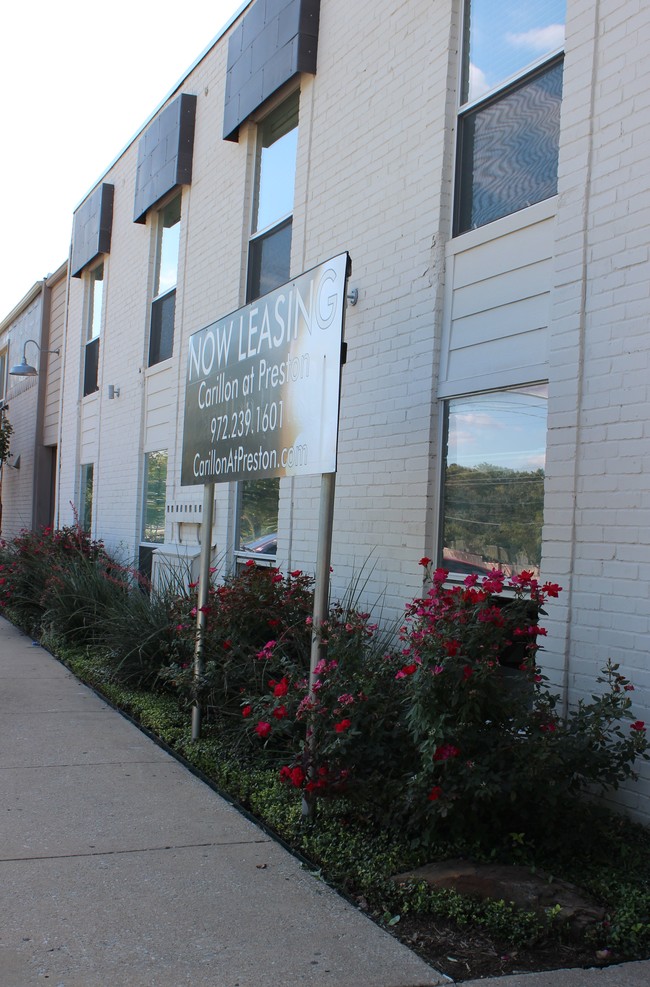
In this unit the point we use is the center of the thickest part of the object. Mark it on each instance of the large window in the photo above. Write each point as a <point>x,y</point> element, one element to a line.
<point>269,261</point>
<point>161,339</point>
<point>511,92</point>
<point>93,328</point>
<point>86,497</point>
<point>275,171</point>
<point>493,484</point>
<point>155,495</point>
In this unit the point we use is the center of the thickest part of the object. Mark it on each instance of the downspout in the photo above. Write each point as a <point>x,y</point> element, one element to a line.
<point>581,359</point>
<point>46,298</point>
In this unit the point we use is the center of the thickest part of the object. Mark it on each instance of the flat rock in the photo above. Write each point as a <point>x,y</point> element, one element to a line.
<point>532,891</point>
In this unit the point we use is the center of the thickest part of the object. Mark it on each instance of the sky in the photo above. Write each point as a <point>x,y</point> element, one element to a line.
<point>77,81</point>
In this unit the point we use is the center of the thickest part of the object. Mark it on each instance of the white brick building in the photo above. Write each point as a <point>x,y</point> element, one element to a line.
<point>488,177</point>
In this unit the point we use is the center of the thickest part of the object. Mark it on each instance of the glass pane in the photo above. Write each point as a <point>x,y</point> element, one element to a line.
<point>86,498</point>
<point>276,165</point>
<point>509,151</point>
<point>155,495</point>
<point>91,362</point>
<point>493,496</point>
<point>169,230</point>
<point>502,39</point>
<point>258,516</point>
<point>269,261</point>
<point>96,297</point>
<point>161,342</point>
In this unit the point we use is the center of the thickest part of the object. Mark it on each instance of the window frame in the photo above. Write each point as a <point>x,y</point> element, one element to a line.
<point>162,302</point>
<point>505,87</point>
<point>86,503</point>
<point>145,493</point>
<point>256,237</point>
<point>94,324</point>
<point>460,574</point>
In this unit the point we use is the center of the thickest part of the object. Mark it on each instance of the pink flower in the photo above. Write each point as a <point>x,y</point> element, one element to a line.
<point>263,729</point>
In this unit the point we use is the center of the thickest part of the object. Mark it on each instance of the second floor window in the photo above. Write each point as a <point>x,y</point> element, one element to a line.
<point>93,329</point>
<point>509,121</point>
<point>161,339</point>
<point>269,255</point>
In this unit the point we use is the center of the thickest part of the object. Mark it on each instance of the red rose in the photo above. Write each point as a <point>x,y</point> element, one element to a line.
<point>280,712</point>
<point>342,725</point>
<point>263,729</point>
<point>424,561</point>
<point>282,687</point>
<point>638,725</point>
<point>435,793</point>
<point>246,711</point>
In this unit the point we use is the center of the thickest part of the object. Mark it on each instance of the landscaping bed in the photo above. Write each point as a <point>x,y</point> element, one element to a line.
<point>435,740</point>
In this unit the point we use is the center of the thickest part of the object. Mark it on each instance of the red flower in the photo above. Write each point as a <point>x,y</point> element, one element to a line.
<point>280,712</point>
<point>468,671</point>
<point>296,573</point>
<point>547,727</point>
<point>551,589</point>
<point>435,793</point>
<point>297,777</point>
<point>246,711</point>
<point>281,688</point>
<point>424,561</point>
<point>263,729</point>
<point>250,562</point>
<point>445,751</point>
<point>637,725</point>
<point>342,725</point>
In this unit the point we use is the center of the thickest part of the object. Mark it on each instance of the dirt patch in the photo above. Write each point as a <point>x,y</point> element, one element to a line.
<point>468,954</point>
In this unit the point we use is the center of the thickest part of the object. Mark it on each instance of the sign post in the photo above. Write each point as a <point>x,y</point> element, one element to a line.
<point>262,400</point>
<point>202,601</point>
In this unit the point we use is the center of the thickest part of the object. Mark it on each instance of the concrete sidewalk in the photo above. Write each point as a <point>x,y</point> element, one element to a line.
<point>121,869</point>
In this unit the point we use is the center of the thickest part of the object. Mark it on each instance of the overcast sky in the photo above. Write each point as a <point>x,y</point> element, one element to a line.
<point>78,80</point>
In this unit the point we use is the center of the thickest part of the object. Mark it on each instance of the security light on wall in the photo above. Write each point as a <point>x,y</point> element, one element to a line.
<point>24,369</point>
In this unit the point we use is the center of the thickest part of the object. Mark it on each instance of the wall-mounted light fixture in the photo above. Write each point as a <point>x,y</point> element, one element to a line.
<point>24,369</point>
<point>113,392</point>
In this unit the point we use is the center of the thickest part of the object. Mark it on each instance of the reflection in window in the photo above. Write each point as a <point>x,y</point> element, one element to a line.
<point>86,497</point>
<point>258,516</point>
<point>155,495</point>
<point>509,118</point>
<point>508,151</point>
<point>493,484</point>
<point>498,47</point>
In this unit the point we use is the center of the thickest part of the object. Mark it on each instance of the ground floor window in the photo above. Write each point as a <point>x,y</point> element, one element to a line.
<point>86,497</point>
<point>257,517</point>
<point>155,495</point>
<point>493,481</point>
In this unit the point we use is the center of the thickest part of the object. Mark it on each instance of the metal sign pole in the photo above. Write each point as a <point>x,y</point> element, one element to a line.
<point>202,601</point>
<point>321,599</point>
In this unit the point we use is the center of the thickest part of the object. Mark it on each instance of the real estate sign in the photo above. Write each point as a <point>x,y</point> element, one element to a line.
<point>262,384</point>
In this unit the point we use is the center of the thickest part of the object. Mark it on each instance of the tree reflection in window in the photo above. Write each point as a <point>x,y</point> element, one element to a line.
<point>493,484</point>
